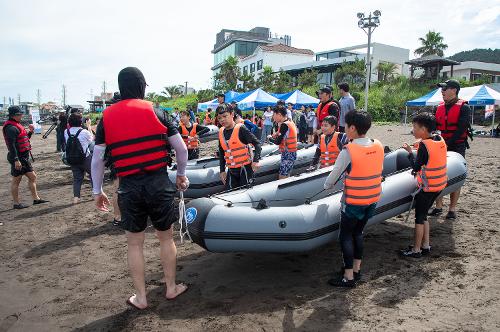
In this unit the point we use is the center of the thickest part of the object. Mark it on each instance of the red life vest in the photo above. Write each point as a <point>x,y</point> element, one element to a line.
<point>135,137</point>
<point>185,133</point>
<point>22,140</point>
<point>322,111</point>
<point>447,123</point>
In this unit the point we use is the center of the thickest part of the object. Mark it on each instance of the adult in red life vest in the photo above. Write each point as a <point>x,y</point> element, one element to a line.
<point>19,147</point>
<point>327,106</point>
<point>453,120</point>
<point>190,133</point>
<point>140,159</point>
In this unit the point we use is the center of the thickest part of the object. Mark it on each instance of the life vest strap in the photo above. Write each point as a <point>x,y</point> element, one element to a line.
<point>435,168</point>
<point>362,197</point>
<point>161,137</point>
<point>362,188</point>
<point>137,153</point>
<point>142,165</point>
<point>363,177</point>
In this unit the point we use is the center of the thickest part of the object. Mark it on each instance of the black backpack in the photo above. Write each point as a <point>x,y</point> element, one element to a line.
<point>74,150</point>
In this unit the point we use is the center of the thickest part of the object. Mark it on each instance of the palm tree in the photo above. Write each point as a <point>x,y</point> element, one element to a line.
<point>172,91</point>
<point>432,44</point>
<point>248,80</point>
<point>229,73</point>
<point>283,82</point>
<point>308,78</point>
<point>386,71</point>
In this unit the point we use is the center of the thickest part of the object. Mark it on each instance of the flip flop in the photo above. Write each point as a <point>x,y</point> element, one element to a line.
<point>176,296</point>
<point>134,306</point>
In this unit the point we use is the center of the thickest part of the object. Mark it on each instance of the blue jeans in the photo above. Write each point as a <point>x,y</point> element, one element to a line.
<point>79,173</point>
<point>266,131</point>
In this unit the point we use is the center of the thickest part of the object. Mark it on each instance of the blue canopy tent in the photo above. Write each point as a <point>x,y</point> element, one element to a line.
<point>257,98</point>
<point>229,96</point>
<point>297,98</point>
<point>479,95</point>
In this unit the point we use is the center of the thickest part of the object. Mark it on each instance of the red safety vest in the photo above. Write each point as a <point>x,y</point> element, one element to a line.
<point>192,144</point>
<point>322,111</point>
<point>447,123</point>
<point>363,183</point>
<point>136,138</point>
<point>22,141</point>
<point>330,152</point>
<point>432,177</point>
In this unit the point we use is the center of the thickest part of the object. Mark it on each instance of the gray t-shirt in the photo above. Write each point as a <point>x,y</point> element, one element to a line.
<point>347,104</point>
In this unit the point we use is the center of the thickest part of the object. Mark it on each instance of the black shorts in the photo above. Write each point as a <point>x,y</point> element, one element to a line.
<point>26,166</point>
<point>310,130</point>
<point>146,196</point>
<point>458,148</point>
<point>423,202</point>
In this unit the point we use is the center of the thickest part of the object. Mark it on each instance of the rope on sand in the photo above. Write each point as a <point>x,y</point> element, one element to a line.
<point>182,217</point>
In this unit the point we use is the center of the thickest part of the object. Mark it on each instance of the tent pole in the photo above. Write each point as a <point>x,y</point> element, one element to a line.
<point>472,121</point>
<point>406,115</point>
<point>493,121</point>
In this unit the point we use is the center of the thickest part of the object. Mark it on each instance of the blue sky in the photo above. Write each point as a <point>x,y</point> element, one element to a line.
<point>82,43</point>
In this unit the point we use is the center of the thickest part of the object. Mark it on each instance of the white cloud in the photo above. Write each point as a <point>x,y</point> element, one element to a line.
<point>81,43</point>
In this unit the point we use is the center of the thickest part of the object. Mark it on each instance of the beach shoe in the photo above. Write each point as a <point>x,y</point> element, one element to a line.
<point>424,251</point>
<point>116,222</point>
<point>410,253</point>
<point>342,282</point>
<point>435,212</point>
<point>39,201</point>
<point>451,215</point>
<point>357,275</point>
<point>20,206</point>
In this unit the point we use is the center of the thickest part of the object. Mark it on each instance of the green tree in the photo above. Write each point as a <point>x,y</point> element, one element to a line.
<point>283,82</point>
<point>227,78</point>
<point>248,80</point>
<point>205,95</point>
<point>432,44</point>
<point>478,54</point>
<point>266,79</point>
<point>307,79</point>
<point>172,91</point>
<point>351,72</point>
<point>386,71</point>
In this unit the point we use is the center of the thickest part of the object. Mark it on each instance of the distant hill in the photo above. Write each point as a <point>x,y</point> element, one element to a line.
<point>479,54</point>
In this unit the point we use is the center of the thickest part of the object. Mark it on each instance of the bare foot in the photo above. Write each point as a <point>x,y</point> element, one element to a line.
<point>134,302</point>
<point>176,291</point>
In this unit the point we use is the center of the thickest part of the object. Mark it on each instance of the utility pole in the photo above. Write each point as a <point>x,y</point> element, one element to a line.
<point>186,89</point>
<point>19,99</point>
<point>64,91</point>
<point>38,97</point>
<point>4,101</point>
<point>104,89</point>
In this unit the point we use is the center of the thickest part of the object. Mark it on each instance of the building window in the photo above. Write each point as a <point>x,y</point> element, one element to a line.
<point>245,70</point>
<point>252,67</point>
<point>260,64</point>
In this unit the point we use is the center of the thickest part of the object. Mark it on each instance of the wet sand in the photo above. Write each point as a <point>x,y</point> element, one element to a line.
<point>63,267</point>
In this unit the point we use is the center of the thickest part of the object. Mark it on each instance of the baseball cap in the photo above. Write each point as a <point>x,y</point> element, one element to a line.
<point>326,89</point>
<point>453,84</point>
<point>15,110</point>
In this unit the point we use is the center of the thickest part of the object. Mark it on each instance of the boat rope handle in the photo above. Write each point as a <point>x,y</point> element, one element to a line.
<point>182,216</point>
<point>413,194</point>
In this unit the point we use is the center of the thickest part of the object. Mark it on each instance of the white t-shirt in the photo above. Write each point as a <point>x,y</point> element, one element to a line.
<point>85,137</point>
<point>289,114</point>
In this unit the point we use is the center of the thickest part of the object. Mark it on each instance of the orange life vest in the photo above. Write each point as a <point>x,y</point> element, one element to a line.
<point>330,152</point>
<point>208,119</point>
<point>22,140</point>
<point>136,138</point>
<point>190,144</point>
<point>236,153</point>
<point>289,142</point>
<point>447,123</point>
<point>363,181</point>
<point>432,177</point>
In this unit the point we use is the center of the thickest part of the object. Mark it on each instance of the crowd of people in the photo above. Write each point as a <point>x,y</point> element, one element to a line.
<point>139,158</point>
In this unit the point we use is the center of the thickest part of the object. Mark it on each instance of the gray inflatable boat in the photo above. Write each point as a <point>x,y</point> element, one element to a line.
<point>227,226</point>
<point>205,181</point>
<point>213,134</point>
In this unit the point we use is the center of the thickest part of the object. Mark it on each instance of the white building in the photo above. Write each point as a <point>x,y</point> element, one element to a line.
<point>276,56</point>
<point>328,61</point>
<point>472,70</point>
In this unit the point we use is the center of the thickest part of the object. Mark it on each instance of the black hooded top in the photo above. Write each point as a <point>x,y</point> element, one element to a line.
<point>131,83</point>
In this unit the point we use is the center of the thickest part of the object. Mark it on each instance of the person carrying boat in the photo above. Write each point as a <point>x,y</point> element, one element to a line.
<point>234,152</point>
<point>331,142</point>
<point>286,138</point>
<point>190,133</point>
<point>140,158</point>
<point>453,120</point>
<point>362,161</point>
<point>430,170</point>
<point>19,151</point>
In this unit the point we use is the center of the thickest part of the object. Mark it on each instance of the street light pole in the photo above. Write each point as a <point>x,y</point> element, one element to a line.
<point>368,24</point>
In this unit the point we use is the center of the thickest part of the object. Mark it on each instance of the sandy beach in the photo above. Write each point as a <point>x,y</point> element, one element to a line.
<point>63,267</point>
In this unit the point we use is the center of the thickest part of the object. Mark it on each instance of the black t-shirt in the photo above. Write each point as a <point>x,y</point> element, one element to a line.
<point>422,156</point>
<point>172,130</point>
<point>11,133</point>
<point>246,137</point>
<point>283,130</point>
<point>63,122</point>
